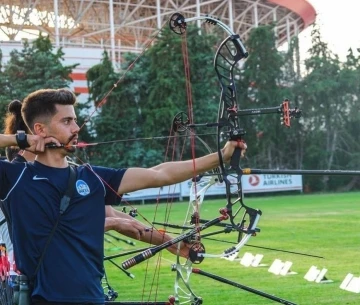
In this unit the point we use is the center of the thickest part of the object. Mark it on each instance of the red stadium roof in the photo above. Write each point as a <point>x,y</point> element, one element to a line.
<point>301,7</point>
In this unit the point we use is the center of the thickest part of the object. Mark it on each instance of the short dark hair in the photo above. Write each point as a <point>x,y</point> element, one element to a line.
<point>40,105</point>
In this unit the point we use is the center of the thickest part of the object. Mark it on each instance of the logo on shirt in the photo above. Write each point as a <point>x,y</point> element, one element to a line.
<point>82,188</point>
<point>39,178</point>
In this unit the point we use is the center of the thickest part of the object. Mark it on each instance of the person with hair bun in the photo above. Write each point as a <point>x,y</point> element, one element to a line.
<point>13,122</point>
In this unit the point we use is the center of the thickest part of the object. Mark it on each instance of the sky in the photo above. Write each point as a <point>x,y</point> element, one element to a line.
<point>339,25</point>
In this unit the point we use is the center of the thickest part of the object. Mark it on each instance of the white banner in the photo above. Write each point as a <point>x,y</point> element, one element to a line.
<point>172,191</point>
<point>250,184</point>
<point>271,183</point>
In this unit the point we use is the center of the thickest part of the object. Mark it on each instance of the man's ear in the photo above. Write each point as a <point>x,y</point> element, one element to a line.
<point>40,129</point>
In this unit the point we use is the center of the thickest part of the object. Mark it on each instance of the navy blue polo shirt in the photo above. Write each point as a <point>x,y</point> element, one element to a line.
<point>72,268</point>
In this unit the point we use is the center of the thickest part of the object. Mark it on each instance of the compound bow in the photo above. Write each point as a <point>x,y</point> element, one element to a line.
<point>228,55</point>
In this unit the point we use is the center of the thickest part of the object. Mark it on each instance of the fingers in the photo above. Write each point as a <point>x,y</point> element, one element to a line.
<point>38,143</point>
<point>141,231</point>
<point>127,227</point>
<point>51,142</point>
<point>241,144</point>
<point>229,148</point>
<point>137,234</point>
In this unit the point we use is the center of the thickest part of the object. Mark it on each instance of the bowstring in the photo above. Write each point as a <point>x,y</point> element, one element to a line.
<point>169,150</point>
<point>132,64</point>
<point>169,203</point>
<point>185,53</point>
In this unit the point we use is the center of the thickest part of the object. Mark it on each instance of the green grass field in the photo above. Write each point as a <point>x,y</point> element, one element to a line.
<point>324,225</point>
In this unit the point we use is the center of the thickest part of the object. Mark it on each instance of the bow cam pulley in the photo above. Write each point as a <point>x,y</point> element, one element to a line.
<point>177,24</point>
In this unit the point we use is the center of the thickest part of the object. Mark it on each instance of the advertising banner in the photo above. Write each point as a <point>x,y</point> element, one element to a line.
<point>250,184</point>
<point>271,183</point>
<point>172,191</point>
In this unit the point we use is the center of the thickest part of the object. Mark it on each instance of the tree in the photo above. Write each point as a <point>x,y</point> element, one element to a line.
<point>262,85</point>
<point>167,83</point>
<point>291,80</point>
<point>144,103</point>
<point>330,97</point>
<point>119,117</point>
<point>36,66</point>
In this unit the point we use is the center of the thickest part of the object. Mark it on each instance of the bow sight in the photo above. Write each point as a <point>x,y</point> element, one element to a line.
<point>181,121</point>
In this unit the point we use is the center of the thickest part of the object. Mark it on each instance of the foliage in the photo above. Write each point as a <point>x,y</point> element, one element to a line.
<point>330,95</point>
<point>146,95</point>
<point>144,103</point>
<point>38,65</point>
<point>120,118</point>
<point>168,94</point>
<point>262,86</point>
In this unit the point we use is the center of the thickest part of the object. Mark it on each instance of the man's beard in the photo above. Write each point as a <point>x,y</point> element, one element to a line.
<point>70,149</point>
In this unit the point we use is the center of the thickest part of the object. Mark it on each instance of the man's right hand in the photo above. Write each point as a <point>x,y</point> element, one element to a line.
<point>37,143</point>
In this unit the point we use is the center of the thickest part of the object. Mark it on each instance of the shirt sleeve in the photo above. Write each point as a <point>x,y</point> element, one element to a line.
<point>113,178</point>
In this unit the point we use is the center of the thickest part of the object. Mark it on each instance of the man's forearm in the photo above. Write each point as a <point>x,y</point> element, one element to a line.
<point>110,223</point>
<point>7,140</point>
<point>135,229</point>
<point>113,217</point>
<point>155,237</point>
<point>179,171</point>
<point>112,212</point>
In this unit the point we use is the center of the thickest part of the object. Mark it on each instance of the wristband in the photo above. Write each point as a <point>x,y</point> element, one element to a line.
<point>21,139</point>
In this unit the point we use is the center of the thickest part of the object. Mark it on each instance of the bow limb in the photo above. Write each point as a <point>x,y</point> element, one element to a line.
<point>228,55</point>
<point>183,270</point>
<point>250,231</point>
<point>178,25</point>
